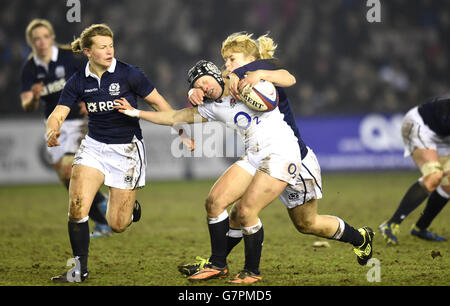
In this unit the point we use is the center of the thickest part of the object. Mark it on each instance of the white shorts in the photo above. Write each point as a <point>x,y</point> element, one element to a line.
<point>417,135</point>
<point>308,184</point>
<point>283,167</point>
<point>123,165</point>
<point>72,132</point>
<point>305,186</point>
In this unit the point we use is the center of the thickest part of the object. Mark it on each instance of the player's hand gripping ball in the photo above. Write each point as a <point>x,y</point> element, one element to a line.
<point>261,97</point>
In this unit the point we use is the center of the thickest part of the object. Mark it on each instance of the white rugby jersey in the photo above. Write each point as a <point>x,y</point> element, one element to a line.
<point>261,132</point>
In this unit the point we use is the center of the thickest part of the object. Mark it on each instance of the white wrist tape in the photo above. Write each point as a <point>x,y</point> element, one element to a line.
<point>190,92</point>
<point>132,113</point>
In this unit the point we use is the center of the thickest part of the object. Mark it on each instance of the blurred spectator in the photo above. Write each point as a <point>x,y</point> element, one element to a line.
<point>343,63</point>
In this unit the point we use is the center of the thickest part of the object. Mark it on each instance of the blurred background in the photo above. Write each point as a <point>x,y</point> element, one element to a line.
<point>355,79</point>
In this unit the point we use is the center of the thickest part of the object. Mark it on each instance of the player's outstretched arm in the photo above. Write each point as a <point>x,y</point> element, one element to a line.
<point>172,117</point>
<point>54,122</point>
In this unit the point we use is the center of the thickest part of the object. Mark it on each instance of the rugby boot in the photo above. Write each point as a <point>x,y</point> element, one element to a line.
<point>426,235</point>
<point>365,250</point>
<point>192,268</point>
<point>245,277</point>
<point>389,231</point>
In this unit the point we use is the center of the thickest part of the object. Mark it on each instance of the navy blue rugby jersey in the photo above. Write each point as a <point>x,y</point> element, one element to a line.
<point>62,66</point>
<point>105,123</point>
<point>435,113</point>
<point>283,104</point>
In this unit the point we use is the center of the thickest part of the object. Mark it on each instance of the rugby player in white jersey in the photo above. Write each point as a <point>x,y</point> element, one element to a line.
<point>271,167</point>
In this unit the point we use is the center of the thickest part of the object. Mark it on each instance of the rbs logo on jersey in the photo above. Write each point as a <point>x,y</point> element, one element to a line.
<point>95,107</point>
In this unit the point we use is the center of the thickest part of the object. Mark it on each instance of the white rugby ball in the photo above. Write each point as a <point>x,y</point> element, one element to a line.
<point>261,97</point>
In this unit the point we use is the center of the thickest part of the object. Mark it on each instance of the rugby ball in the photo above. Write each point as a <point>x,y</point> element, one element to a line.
<point>261,97</point>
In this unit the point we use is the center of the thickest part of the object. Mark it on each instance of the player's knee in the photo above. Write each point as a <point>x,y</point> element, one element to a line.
<point>304,226</point>
<point>117,228</point>
<point>214,205</point>
<point>117,225</point>
<point>243,212</point>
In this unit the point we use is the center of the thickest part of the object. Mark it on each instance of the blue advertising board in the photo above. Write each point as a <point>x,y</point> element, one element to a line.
<point>365,142</point>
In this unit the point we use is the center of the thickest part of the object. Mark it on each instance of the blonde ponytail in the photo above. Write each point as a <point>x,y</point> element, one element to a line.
<point>266,46</point>
<point>76,45</point>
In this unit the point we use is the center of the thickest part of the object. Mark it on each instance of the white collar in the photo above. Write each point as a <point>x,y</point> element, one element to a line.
<point>54,58</point>
<point>111,69</point>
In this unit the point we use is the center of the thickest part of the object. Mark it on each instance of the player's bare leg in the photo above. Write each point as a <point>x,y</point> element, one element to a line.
<point>307,221</point>
<point>429,164</point>
<point>98,208</point>
<point>120,208</point>
<point>260,193</point>
<point>227,190</point>
<point>84,184</point>
<point>437,199</point>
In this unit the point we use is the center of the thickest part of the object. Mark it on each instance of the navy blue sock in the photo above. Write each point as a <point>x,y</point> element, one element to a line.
<point>351,235</point>
<point>218,235</point>
<point>415,195</point>
<point>79,240</point>
<point>434,205</point>
<point>233,241</point>
<point>253,250</point>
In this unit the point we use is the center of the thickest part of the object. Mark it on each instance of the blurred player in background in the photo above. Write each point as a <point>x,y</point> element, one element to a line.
<point>113,152</point>
<point>426,137</point>
<point>43,78</point>
<point>260,176</point>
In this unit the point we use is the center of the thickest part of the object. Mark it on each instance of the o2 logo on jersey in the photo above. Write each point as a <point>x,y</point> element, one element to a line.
<point>292,170</point>
<point>243,120</point>
<point>114,89</point>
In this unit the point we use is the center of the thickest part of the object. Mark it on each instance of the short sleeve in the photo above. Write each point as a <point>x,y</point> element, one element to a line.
<point>71,91</point>
<point>139,83</point>
<point>206,110</point>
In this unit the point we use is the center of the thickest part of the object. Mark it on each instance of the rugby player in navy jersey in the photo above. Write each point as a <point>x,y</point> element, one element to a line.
<point>243,181</point>
<point>426,137</point>
<point>113,152</point>
<point>43,78</point>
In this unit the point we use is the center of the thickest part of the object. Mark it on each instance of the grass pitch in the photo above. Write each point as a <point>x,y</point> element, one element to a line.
<point>34,244</point>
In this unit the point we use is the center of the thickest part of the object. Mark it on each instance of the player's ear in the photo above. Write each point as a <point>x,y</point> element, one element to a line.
<point>87,52</point>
